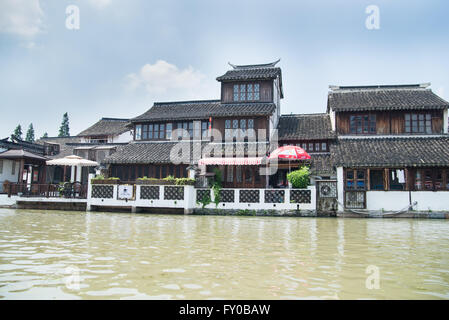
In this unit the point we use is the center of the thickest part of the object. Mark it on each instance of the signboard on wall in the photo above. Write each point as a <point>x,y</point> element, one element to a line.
<point>125,192</point>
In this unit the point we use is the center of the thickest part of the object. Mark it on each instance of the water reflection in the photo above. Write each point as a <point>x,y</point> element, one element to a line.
<point>204,257</point>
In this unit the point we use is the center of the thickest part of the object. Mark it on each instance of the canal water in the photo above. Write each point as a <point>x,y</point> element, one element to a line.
<point>77,255</point>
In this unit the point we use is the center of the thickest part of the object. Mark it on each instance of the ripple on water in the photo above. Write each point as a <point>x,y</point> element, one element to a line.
<point>174,270</point>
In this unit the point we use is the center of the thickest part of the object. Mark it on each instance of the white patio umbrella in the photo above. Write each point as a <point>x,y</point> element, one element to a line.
<point>72,161</point>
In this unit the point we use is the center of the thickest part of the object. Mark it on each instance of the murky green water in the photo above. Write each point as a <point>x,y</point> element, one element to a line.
<point>116,255</point>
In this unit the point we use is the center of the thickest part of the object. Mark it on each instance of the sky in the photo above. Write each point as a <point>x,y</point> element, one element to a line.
<point>124,55</point>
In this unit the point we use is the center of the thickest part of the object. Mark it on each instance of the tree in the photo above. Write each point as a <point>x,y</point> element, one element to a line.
<point>17,132</point>
<point>30,134</point>
<point>64,129</point>
<point>45,135</point>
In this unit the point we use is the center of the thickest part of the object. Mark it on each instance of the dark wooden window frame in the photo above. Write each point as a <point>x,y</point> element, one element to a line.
<point>422,121</point>
<point>366,126</point>
<point>243,91</point>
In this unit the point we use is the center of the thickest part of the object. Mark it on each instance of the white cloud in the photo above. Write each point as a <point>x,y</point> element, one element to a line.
<point>100,3</point>
<point>163,79</point>
<point>21,17</point>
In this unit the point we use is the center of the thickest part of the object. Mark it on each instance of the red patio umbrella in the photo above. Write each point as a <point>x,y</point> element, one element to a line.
<point>289,152</point>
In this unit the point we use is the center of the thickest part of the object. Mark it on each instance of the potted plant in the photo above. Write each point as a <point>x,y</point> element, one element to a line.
<point>299,179</point>
<point>100,179</point>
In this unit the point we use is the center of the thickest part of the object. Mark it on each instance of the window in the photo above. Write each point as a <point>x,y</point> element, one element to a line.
<point>138,132</point>
<point>1,166</point>
<point>323,146</point>
<point>397,179</point>
<point>355,179</point>
<point>418,123</point>
<point>241,128</point>
<point>439,183</point>
<point>13,169</point>
<point>251,132</point>
<point>227,129</point>
<point>246,92</point>
<point>238,173</point>
<point>168,130</point>
<point>447,179</point>
<point>362,124</point>
<point>248,175</point>
<point>162,131</point>
<point>156,131</point>
<point>205,125</point>
<point>310,148</point>
<point>150,131</point>
<point>304,146</point>
<point>376,178</point>
<point>317,146</point>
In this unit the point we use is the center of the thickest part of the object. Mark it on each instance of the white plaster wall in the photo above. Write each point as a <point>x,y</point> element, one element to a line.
<point>236,205</point>
<point>387,200</point>
<point>124,137</point>
<point>398,200</point>
<point>332,117</point>
<point>6,173</point>
<point>340,188</point>
<point>433,200</point>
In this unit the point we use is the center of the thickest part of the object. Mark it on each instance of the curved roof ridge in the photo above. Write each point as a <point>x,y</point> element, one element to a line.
<point>254,66</point>
<point>185,101</point>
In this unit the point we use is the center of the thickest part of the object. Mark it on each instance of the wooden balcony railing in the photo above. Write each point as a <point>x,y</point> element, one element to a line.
<point>74,190</point>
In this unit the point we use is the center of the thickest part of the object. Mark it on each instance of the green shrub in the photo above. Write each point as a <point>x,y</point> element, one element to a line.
<point>169,178</point>
<point>299,178</point>
<point>184,181</point>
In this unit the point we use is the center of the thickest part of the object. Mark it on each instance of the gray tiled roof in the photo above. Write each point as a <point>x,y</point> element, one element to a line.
<point>65,149</point>
<point>195,110</point>
<point>406,97</point>
<point>251,73</point>
<point>152,152</point>
<point>159,152</point>
<point>106,126</point>
<point>322,164</point>
<point>392,151</point>
<point>305,126</point>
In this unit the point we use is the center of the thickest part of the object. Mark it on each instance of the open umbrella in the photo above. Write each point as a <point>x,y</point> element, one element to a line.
<point>289,152</point>
<point>72,161</point>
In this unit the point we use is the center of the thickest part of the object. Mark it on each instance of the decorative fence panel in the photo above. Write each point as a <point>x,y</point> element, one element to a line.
<point>173,193</point>
<point>355,199</point>
<point>300,196</point>
<point>202,194</point>
<point>249,196</point>
<point>227,195</point>
<point>274,196</point>
<point>102,191</point>
<point>149,192</point>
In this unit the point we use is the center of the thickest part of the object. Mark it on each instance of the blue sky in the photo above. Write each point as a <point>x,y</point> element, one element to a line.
<point>128,54</point>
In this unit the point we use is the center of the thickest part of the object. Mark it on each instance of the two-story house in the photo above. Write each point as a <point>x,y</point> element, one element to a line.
<point>313,133</point>
<point>392,147</point>
<point>236,130</point>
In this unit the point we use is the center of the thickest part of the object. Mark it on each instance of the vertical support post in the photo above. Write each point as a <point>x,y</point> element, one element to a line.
<point>340,188</point>
<point>189,199</point>
<point>89,192</point>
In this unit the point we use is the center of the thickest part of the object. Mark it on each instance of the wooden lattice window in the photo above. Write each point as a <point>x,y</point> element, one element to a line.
<point>418,123</point>
<point>355,179</point>
<point>362,124</point>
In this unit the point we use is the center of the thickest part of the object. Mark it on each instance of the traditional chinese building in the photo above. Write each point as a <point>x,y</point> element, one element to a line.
<point>392,146</point>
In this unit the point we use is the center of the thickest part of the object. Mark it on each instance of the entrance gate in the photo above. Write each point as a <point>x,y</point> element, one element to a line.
<point>326,197</point>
